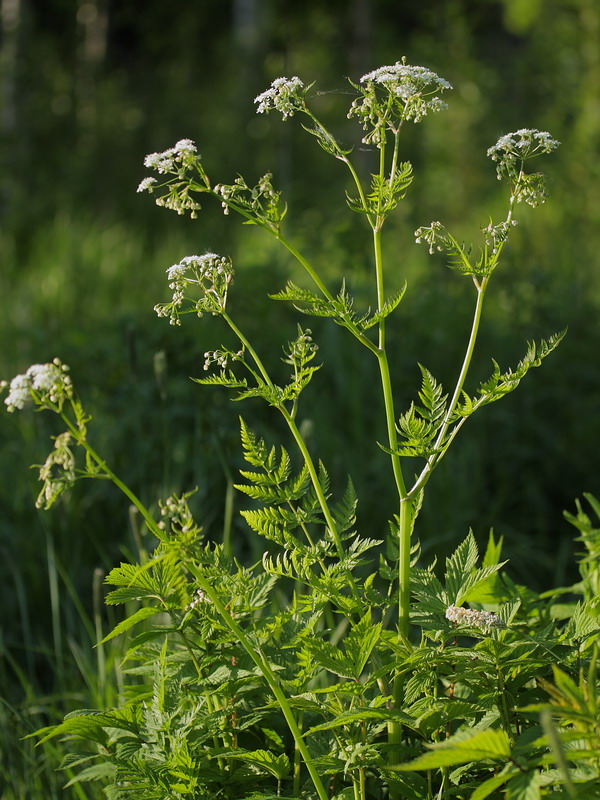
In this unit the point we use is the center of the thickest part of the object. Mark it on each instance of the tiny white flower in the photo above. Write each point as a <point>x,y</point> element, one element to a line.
<point>146,185</point>
<point>18,393</point>
<point>44,376</point>
<point>405,79</point>
<point>185,147</point>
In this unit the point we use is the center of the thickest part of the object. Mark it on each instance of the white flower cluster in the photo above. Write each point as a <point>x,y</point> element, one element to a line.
<point>285,95</point>
<point>48,380</point>
<point>484,620</point>
<point>181,154</point>
<point>406,80</point>
<point>433,235</point>
<point>210,274</point>
<point>522,144</point>
<point>415,87</point>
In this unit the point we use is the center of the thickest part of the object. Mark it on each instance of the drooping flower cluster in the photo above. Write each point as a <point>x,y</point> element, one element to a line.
<point>209,275</point>
<point>57,473</point>
<point>395,94</point>
<point>484,620</point>
<point>285,95</point>
<point>42,382</point>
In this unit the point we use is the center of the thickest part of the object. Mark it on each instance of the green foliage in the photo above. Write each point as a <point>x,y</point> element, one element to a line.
<point>335,665</point>
<point>501,383</point>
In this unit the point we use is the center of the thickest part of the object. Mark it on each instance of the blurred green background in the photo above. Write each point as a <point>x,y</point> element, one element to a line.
<point>87,88</point>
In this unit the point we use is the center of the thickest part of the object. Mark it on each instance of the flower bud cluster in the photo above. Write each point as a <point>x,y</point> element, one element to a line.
<point>209,274</point>
<point>261,202</point>
<point>484,620</point>
<point>221,358</point>
<point>433,235</point>
<point>178,199</point>
<point>46,382</point>
<point>285,95</point>
<point>302,349</point>
<point>199,597</point>
<point>178,518</point>
<point>495,235</point>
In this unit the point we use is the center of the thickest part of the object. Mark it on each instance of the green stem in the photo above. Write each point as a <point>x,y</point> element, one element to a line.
<point>111,475</point>
<point>299,257</point>
<point>439,443</point>
<point>364,340</point>
<point>379,279</point>
<point>341,156</point>
<point>395,157</point>
<point>390,419</point>
<point>405,515</point>
<point>314,478</point>
<point>261,662</point>
<point>249,348</point>
<point>228,519</point>
<point>384,371</point>
<point>297,759</point>
<point>481,287</point>
<point>404,537</point>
